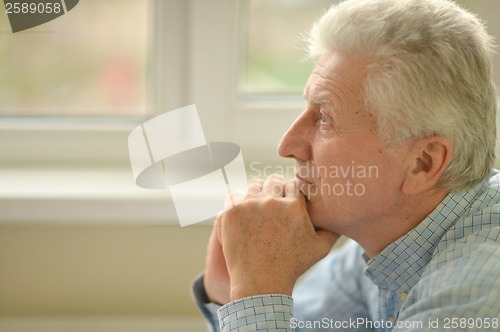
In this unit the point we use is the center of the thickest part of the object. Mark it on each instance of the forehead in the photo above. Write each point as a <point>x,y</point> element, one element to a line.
<point>336,76</point>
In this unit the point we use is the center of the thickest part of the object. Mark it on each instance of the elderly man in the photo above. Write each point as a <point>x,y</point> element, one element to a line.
<point>402,87</point>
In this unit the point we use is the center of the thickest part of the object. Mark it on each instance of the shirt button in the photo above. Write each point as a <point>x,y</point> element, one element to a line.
<point>404,296</point>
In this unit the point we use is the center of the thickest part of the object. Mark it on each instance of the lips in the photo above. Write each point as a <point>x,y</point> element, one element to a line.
<point>306,187</point>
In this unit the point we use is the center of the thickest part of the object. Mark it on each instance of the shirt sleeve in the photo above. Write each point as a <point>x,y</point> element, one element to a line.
<point>329,295</point>
<point>272,312</point>
<point>207,309</point>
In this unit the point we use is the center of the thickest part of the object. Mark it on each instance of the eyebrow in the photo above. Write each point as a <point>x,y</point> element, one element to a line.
<point>315,101</point>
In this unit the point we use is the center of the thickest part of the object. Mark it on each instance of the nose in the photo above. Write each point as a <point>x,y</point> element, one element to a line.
<point>295,143</point>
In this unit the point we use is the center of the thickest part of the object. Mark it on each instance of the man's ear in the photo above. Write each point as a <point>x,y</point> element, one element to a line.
<point>427,160</point>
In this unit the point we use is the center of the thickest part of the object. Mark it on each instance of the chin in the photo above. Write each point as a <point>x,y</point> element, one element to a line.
<point>318,220</point>
<point>321,219</point>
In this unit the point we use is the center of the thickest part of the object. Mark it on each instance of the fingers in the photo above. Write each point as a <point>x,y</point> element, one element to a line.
<point>274,186</point>
<point>254,187</point>
<point>234,198</point>
<point>293,193</point>
<point>217,226</point>
<point>291,189</point>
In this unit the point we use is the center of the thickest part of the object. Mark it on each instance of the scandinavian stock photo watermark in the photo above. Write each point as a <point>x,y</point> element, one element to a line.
<point>354,323</point>
<point>360,323</point>
<point>336,180</point>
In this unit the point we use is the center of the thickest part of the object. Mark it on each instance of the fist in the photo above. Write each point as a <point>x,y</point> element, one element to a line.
<point>268,240</point>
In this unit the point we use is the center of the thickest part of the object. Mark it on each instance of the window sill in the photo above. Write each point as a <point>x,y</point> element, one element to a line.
<point>80,195</point>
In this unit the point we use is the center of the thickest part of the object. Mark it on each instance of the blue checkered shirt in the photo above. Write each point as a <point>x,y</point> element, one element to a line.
<point>442,275</point>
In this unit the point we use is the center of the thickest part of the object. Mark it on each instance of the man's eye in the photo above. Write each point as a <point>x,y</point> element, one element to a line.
<point>324,119</point>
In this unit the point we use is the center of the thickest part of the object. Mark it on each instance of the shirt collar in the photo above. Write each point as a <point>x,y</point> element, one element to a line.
<point>399,266</point>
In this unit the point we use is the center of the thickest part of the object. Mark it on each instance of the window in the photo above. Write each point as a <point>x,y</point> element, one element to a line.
<point>78,85</point>
<point>90,61</point>
<point>272,61</point>
<point>488,11</point>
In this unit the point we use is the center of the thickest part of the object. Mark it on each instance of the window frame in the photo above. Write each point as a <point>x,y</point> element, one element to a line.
<point>91,140</point>
<point>77,169</point>
<point>238,120</point>
<point>186,66</point>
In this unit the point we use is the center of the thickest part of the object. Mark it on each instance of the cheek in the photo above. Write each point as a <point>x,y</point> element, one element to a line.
<point>354,161</point>
<point>381,179</point>
<point>348,166</point>
<point>355,181</point>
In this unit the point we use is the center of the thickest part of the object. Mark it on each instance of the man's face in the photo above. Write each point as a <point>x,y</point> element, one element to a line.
<point>343,169</point>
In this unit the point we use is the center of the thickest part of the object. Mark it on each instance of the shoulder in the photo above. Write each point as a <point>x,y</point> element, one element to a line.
<point>461,281</point>
<point>463,277</point>
<point>478,227</point>
<point>469,252</point>
<point>463,272</point>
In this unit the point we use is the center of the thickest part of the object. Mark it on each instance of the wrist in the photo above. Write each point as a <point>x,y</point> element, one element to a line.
<point>218,294</point>
<point>239,290</point>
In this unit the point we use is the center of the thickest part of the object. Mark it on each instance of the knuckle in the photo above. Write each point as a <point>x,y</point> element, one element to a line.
<point>269,202</point>
<point>255,181</point>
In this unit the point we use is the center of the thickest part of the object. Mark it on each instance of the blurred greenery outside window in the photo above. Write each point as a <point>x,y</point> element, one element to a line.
<point>90,61</point>
<point>273,53</point>
<point>272,62</point>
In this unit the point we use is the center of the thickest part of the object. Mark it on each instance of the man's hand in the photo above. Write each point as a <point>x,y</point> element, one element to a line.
<point>268,241</point>
<point>216,279</point>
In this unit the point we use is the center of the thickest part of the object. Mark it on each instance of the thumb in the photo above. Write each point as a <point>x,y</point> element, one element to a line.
<point>218,226</point>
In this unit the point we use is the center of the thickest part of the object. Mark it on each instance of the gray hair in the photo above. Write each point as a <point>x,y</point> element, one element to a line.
<point>430,73</point>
